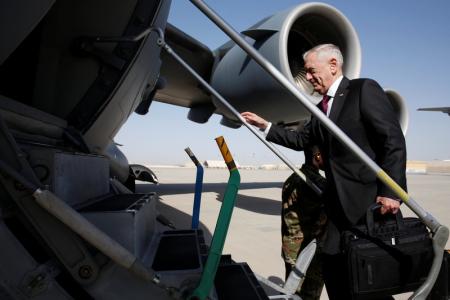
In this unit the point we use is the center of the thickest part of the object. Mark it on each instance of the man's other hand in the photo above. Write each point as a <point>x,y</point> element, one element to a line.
<point>388,205</point>
<point>255,120</point>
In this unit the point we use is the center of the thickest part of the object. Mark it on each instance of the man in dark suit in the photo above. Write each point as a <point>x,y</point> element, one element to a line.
<point>362,110</point>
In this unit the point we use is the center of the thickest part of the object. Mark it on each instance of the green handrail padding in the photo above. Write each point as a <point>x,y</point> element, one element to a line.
<point>223,222</point>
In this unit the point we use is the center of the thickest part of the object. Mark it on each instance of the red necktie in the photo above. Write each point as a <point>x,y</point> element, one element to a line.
<point>324,103</point>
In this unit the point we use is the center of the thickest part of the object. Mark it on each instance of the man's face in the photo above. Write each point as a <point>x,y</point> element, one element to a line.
<point>319,72</point>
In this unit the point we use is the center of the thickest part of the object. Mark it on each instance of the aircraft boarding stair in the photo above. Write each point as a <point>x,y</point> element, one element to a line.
<point>82,181</point>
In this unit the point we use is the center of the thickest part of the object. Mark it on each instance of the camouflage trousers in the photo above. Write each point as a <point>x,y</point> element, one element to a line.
<point>303,219</point>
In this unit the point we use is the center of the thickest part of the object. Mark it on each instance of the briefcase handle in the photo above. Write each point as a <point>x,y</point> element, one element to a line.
<point>370,223</point>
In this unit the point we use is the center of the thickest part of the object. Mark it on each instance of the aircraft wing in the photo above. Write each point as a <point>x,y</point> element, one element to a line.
<point>181,87</point>
<point>280,38</point>
<point>445,110</point>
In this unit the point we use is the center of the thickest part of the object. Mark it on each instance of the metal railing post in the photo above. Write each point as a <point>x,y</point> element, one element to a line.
<point>198,189</point>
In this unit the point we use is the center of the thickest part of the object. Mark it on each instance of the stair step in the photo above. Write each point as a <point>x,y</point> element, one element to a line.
<point>180,250</point>
<point>130,219</point>
<point>236,281</point>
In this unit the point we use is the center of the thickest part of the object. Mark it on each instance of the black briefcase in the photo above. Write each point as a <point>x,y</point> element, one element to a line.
<point>387,257</point>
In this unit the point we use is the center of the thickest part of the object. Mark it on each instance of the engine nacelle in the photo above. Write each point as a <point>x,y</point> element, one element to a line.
<point>399,105</point>
<point>282,39</point>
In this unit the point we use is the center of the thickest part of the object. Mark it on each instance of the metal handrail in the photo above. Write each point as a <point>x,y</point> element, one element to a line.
<point>198,189</point>
<point>223,222</point>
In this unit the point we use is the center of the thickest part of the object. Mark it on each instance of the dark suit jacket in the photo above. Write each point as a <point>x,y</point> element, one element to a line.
<point>362,110</point>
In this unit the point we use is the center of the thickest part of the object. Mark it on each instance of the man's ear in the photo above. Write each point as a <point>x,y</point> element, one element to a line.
<point>333,66</point>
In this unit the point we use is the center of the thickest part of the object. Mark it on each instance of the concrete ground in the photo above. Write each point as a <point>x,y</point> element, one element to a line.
<point>254,233</point>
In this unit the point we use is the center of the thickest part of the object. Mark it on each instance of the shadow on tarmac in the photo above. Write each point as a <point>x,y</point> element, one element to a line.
<point>255,204</point>
<point>186,188</point>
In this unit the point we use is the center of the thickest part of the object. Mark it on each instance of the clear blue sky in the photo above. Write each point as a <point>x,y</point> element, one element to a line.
<point>405,46</point>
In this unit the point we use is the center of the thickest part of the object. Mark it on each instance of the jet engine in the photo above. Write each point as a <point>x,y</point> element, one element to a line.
<point>282,39</point>
<point>399,105</point>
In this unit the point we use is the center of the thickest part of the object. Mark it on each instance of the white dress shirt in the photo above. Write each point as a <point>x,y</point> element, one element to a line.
<point>330,93</point>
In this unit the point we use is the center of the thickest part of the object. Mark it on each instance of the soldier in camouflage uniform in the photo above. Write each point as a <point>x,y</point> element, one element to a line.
<point>303,219</point>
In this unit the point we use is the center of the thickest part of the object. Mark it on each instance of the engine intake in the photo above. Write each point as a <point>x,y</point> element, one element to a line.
<point>282,39</point>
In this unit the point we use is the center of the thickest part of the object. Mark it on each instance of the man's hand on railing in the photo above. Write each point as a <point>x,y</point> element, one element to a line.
<point>255,120</point>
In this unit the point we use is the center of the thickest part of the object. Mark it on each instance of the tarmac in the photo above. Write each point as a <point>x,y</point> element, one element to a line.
<point>254,232</point>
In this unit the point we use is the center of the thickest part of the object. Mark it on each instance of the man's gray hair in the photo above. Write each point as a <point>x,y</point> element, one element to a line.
<point>328,51</point>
